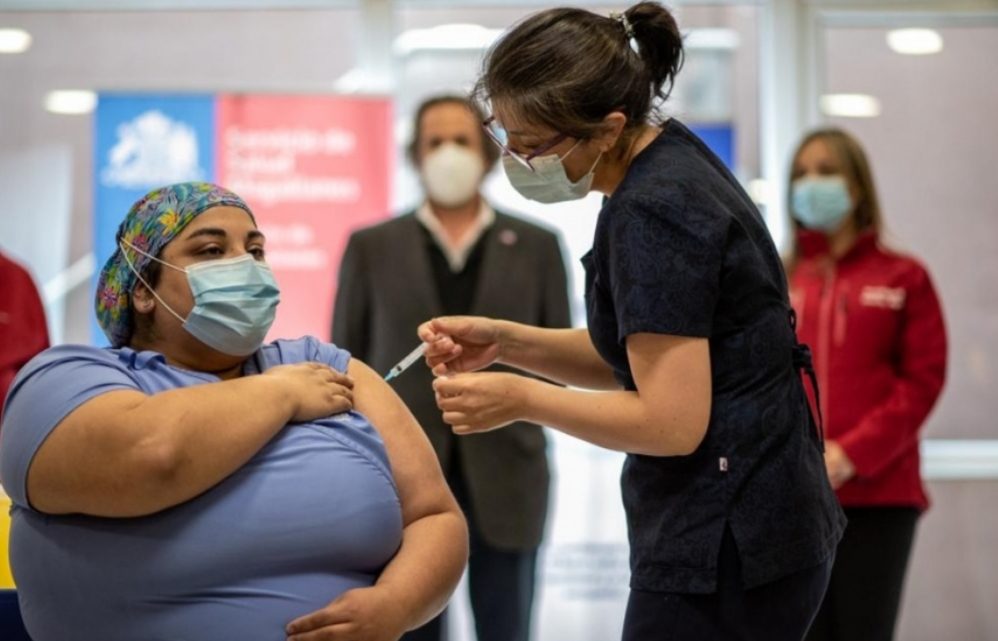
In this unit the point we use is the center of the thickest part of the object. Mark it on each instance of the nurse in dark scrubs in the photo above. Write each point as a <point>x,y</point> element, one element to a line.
<point>690,342</point>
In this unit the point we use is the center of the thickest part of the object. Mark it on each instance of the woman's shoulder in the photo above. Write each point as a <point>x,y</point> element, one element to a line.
<point>79,355</point>
<point>675,173</point>
<point>305,349</point>
<point>71,366</point>
<point>899,263</point>
<point>664,200</point>
<point>891,251</point>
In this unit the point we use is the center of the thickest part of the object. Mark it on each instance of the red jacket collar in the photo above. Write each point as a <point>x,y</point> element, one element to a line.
<point>812,244</point>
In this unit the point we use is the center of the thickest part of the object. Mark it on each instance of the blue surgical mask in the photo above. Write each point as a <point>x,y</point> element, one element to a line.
<point>821,203</point>
<point>235,300</point>
<point>548,183</point>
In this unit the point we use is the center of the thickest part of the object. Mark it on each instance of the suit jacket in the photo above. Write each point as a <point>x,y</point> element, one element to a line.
<point>386,289</point>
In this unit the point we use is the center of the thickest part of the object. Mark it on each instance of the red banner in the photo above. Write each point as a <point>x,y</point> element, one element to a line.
<point>313,169</point>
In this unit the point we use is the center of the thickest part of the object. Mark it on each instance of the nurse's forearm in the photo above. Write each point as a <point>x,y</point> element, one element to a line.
<point>565,356</point>
<point>616,420</point>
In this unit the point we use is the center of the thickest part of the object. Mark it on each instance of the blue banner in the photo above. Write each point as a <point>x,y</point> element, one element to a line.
<point>143,142</point>
<point>720,137</point>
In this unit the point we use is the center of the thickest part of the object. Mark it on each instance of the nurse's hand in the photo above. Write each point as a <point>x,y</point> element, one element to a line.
<point>363,614</point>
<point>460,343</point>
<point>837,465</point>
<point>315,389</point>
<point>481,402</point>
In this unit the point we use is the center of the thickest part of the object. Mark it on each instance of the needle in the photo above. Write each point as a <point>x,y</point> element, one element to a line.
<point>406,362</point>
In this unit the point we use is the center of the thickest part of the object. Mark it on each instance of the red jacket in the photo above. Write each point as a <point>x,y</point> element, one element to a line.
<point>876,331</point>
<point>22,322</point>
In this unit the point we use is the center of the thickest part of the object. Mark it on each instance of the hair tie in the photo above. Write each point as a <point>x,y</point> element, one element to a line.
<point>628,30</point>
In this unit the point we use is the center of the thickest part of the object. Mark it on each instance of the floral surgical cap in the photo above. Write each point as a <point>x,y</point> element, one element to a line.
<point>151,223</point>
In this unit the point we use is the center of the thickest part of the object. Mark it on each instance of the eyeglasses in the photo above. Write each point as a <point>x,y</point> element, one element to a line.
<point>498,134</point>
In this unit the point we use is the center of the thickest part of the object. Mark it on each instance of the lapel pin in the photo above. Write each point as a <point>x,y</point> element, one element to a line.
<point>507,237</point>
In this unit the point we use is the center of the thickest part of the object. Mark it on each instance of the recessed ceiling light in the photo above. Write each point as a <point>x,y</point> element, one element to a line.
<point>850,105</point>
<point>915,42</point>
<point>14,40</point>
<point>448,37</point>
<point>710,38</point>
<point>71,102</point>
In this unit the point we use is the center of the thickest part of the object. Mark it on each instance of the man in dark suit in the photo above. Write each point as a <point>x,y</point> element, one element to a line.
<point>456,255</point>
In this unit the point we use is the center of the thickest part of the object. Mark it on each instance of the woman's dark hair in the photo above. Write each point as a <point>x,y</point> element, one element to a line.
<point>489,150</point>
<point>568,68</point>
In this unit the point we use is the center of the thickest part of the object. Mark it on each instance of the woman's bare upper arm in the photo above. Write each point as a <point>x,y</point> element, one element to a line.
<point>674,374</point>
<point>421,484</point>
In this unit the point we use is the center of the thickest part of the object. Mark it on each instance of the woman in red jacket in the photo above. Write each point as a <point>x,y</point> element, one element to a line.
<point>23,332</point>
<point>876,329</point>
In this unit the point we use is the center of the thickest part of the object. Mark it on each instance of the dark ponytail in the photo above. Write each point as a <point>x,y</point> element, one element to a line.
<point>568,68</point>
<point>660,44</point>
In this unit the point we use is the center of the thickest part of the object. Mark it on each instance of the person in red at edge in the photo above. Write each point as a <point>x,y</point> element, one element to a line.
<point>22,322</point>
<point>876,329</point>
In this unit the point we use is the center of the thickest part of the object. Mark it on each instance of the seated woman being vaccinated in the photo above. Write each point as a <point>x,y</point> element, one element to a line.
<point>192,482</point>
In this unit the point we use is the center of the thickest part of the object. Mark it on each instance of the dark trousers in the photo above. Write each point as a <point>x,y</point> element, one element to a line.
<point>11,625</point>
<point>500,585</point>
<point>777,611</point>
<point>868,578</point>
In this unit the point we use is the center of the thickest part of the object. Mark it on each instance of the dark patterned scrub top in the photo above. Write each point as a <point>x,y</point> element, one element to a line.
<point>680,249</point>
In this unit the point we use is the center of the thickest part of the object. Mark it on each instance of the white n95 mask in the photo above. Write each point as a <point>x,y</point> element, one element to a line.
<point>235,301</point>
<point>548,183</point>
<point>452,174</point>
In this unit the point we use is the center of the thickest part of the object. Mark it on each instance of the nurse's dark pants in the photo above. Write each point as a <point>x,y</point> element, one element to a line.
<point>868,578</point>
<point>777,611</point>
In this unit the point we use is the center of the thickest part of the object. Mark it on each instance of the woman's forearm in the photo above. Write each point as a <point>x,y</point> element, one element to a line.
<point>617,420</point>
<point>428,566</point>
<point>125,454</point>
<point>212,430</point>
<point>667,415</point>
<point>565,356</point>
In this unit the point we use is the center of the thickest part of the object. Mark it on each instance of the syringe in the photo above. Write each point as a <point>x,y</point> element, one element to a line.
<point>404,364</point>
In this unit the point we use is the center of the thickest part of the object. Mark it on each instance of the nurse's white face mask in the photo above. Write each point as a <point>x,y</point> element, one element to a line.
<point>548,183</point>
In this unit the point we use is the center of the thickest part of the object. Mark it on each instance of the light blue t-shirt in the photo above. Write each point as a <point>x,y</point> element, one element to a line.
<point>314,513</point>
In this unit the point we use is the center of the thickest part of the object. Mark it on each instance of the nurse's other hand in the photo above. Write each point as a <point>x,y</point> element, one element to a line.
<point>460,343</point>
<point>362,614</point>
<point>481,402</point>
<point>316,390</point>
<point>837,465</point>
